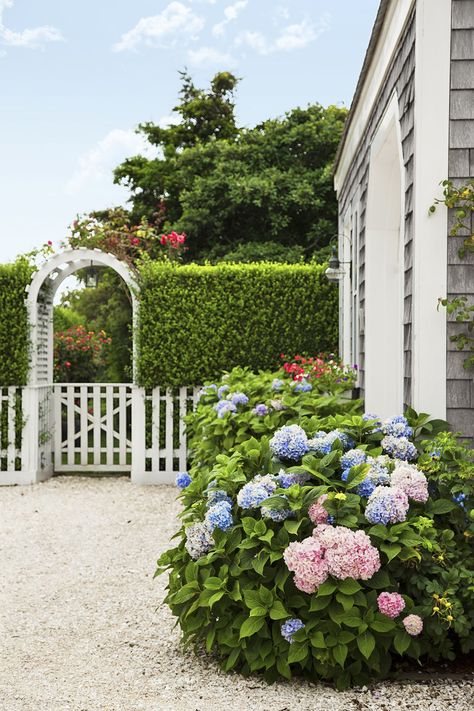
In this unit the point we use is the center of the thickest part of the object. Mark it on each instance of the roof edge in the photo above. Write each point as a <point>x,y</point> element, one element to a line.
<point>374,38</point>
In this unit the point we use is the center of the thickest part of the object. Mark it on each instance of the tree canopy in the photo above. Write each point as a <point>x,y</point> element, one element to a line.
<point>227,186</point>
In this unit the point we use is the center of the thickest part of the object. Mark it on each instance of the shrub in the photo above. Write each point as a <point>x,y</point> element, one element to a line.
<point>273,402</point>
<point>197,320</point>
<point>309,550</point>
<point>14,336</point>
<point>79,355</point>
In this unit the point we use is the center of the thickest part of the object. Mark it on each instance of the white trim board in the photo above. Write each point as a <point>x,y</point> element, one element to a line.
<point>432,74</point>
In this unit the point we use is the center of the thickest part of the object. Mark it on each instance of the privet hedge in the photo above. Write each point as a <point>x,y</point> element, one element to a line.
<point>196,321</point>
<point>13,323</point>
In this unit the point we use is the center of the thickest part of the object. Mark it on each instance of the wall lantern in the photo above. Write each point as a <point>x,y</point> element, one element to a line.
<point>335,270</point>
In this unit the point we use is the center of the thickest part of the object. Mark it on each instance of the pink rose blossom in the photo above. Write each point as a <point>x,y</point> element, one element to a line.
<point>390,604</point>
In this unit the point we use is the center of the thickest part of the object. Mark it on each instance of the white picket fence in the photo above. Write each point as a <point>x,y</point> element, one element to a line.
<point>93,427</point>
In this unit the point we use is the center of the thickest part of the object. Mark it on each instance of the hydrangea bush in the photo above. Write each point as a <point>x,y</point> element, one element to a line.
<point>319,548</point>
<point>247,405</point>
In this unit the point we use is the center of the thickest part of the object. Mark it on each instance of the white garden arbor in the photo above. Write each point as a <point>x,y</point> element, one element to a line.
<point>84,427</point>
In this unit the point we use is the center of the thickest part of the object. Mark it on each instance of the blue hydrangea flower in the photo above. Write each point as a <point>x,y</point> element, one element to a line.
<point>435,453</point>
<point>387,504</point>
<point>238,398</point>
<point>183,480</point>
<point>261,409</point>
<point>256,491</point>
<point>223,407</point>
<point>345,474</point>
<point>302,386</point>
<point>286,480</point>
<point>275,514</point>
<point>322,442</point>
<point>366,487</point>
<point>277,384</point>
<point>289,628</point>
<point>216,495</point>
<point>367,416</point>
<point>459,499</point>
<point>399,447</point>
<point>352,458</point>
<point>289,442</point>
<point>207,390</point>
<point>222,390</point>
<point>219,516</point>
<point>397,427</point>
<point>379,470</point>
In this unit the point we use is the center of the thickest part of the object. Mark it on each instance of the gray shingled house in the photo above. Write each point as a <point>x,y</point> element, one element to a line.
<point>410,126</point>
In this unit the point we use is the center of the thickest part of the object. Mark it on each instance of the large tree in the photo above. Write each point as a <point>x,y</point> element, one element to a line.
<point>226,186</point>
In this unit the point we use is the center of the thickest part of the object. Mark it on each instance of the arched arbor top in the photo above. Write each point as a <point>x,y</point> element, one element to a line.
<point>40,296</point>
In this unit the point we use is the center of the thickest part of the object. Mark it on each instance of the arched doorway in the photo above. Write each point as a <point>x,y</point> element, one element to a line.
<point>384,270</point>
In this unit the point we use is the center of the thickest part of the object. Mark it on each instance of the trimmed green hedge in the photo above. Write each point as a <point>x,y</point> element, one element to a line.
<point>14,323</point>
<point>196,320</point>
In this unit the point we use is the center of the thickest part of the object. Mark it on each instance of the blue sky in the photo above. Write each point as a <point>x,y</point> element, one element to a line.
<point>77,76</point>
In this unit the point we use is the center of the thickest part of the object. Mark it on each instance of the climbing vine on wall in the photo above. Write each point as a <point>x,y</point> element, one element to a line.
<point>461,201</point>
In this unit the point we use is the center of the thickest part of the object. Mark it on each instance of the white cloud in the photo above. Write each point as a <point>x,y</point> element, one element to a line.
<point>255,40</point>
<point>292,37</point>
<point>97,164</point>
<point>231,12</point>
<point>164,30</point>
<point>209,55</point>
<point>29,37</point>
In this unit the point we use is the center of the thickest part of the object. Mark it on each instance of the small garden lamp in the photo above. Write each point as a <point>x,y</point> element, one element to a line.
<point>92,277</point>
<point>335,270</point>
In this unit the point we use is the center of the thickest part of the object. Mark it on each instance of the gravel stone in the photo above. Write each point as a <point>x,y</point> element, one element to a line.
<point>82,627</point>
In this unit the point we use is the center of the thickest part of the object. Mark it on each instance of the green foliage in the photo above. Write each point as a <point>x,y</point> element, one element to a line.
<point>197,320</point>
<point>14,329</point>
<point>107,308</point>
<point>65,317</point>
<point>249,252</point>
<point>226,186</point>
<point>208,435</point>
<point>233,599</point>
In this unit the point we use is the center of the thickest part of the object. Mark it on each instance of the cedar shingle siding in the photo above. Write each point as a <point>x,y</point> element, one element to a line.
<point>460,386</point>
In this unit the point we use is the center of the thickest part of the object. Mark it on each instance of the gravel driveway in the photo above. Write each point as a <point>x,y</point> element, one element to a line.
<point>79,628</point>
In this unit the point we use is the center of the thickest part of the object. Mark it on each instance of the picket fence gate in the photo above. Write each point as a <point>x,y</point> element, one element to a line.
<point>93,427</point>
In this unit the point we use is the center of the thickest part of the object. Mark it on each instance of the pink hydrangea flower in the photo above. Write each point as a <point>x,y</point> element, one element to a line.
<point>337,551</point>
<point>390,604</point>
<point>317,512</point>
<point>306,560</point>
<point>413,482</point>
<point>349,554</point>
<point>413,624</point>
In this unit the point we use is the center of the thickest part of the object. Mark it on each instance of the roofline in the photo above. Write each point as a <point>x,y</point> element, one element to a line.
<point>374,38</point>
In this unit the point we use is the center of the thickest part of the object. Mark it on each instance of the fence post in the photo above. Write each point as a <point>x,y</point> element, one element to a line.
<point>29,444</point>
<point>139,475</point>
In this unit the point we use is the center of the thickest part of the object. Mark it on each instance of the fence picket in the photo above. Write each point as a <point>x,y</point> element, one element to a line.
<point>94,438</point>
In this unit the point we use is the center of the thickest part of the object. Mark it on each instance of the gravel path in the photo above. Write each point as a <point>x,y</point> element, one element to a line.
<point>79,628</point>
